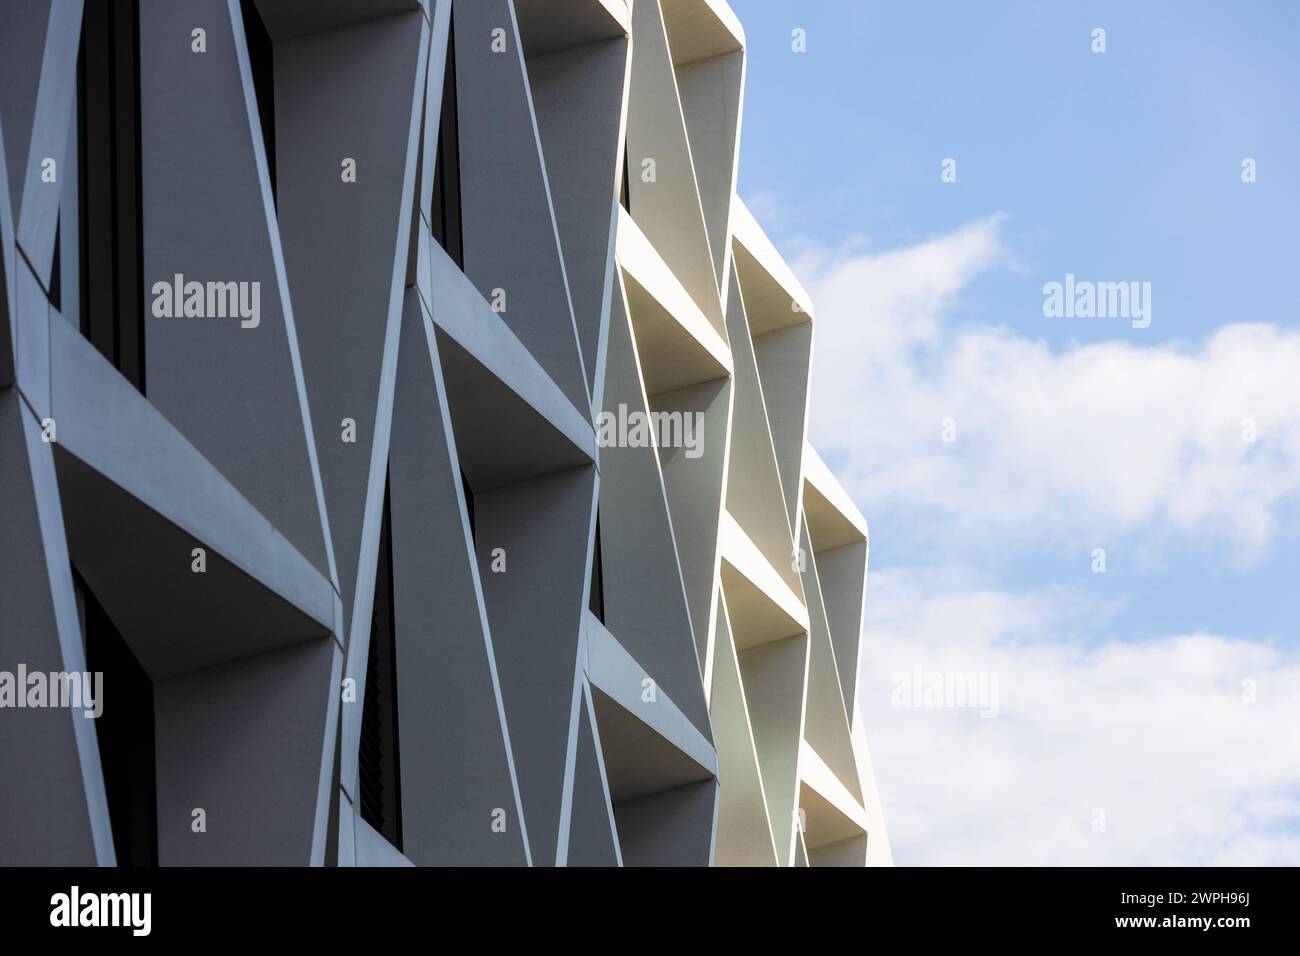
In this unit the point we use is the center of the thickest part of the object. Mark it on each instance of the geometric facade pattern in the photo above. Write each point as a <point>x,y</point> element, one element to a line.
<point>403,415</point>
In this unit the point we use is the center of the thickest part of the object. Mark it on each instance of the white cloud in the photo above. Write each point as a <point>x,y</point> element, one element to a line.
<point>1066,448</point>
<point>1156,734</point>
<point>1096,440</point>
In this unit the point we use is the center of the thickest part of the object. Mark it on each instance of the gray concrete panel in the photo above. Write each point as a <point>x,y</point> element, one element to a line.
<point>784,360</point>
<point>775,678</point>
<point>32,339</point>
<point>110,437</point>
<point>638,760</point>
<point>547,26</point>
<point>826,723</point>
<point>287,19</point>
<point>744,833</point>
<point>38,220</point>
<point>671,828</point>
<point>243,742</point>
<point>511,240</point>
<point>349,94</point>
<point>51,792</point>
<point>755,496</point>
<point>644,597</point>
<point>710,91</point>
<point>37,87</point>
<point>460,802</point>
<point>843,575</point>
<point>493,378</point>
<point>695,488</point>
<point>665,197</point>
<point>503,439</point>
<point>614,672</point>
<point>196,127</point>
<point>24,26</point>
<point>543,529</point>
<point>174,618</point>
<point>593,838</point>
<point>578,94</point>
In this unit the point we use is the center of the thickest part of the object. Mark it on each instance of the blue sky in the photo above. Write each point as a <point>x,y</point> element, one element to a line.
<point>1119,163</point>
<point>1072,434</point>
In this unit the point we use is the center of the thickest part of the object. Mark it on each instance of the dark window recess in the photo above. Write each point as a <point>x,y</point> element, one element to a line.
<point>446,172</point>
<point>597,600</point>
<point>379,769</point>
<point>624,194</point>
<point>111,252</point>
<point>56,269</point>
<point>125,730</point>
<point>469,503</point>
<point>261,61</point>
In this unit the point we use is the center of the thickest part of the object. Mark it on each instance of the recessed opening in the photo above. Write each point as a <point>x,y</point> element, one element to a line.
<point>469,503</point>
<point>446,176</point>
<point>261,60</point>
<point>624,196</point>
<point>111,241</point>
<point>379,770</point>
<point>125,731</point>
<point>56,272</point>
<point>596,603</point>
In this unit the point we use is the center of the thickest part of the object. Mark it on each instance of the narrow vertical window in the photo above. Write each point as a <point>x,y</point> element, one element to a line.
<point>108,139</point>
<point>125,732</point>
<point>446,177</point>
<point>379,770</point>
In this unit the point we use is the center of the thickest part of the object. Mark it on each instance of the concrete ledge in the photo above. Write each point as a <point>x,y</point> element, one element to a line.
<point>138,497</point>
<point>614,672</point>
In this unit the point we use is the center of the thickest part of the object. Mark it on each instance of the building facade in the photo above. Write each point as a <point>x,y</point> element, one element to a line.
<point>403,448</point>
